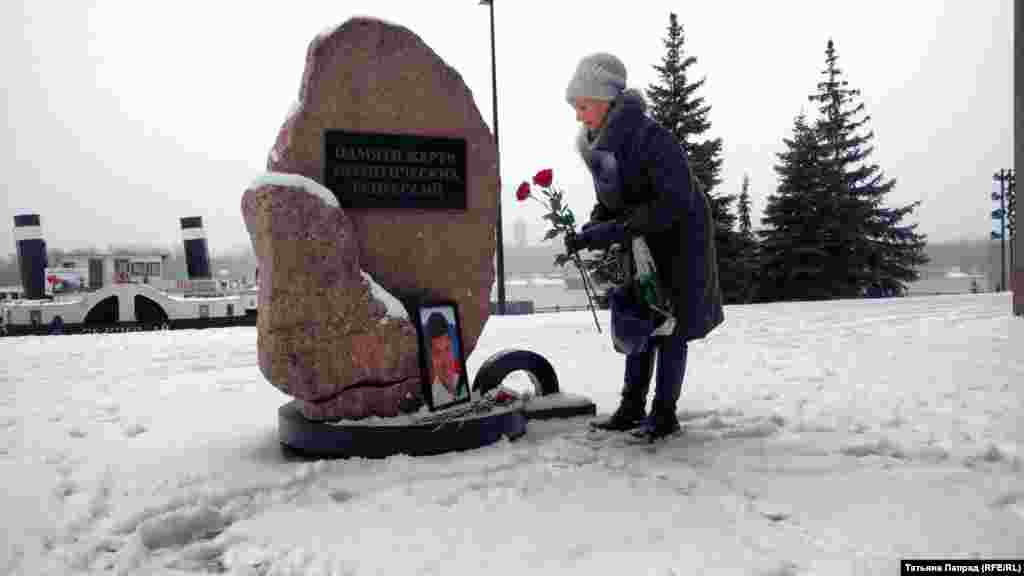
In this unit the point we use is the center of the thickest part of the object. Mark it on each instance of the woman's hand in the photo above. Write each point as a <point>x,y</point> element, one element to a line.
<point>596,236</point>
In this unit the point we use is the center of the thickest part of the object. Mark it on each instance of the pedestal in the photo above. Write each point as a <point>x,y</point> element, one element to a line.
<point>380,438</point>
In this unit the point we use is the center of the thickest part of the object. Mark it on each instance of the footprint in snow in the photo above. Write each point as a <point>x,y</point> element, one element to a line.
<point>341,496</point>
<point>859,428</point>
<point>773,511</point>
<point>694,414</point>
<point>992,454</point>
<point>449,500</point>
<point>65,488</point>
<point>762,429</point>
<point>181,527</point>
<point>107,411</point>
<point>716,423</point>
<point>881,447</point>
<point>785,568</point>
<point>133,430</point>
<point>1008,500</point>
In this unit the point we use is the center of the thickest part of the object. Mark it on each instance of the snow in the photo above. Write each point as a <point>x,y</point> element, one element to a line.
<point>964,275</point>
<point>395,309</point>
<point>820,438</point>
<point>559,400</point>
<point>295,181</point>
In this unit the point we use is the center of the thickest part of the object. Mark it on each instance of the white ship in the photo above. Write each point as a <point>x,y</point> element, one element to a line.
<point>89,291</point>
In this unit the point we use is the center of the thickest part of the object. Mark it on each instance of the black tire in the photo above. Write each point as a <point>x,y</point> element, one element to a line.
<point>500,365</point>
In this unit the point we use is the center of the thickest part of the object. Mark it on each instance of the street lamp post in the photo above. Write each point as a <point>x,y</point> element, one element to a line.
<point>497,148</point>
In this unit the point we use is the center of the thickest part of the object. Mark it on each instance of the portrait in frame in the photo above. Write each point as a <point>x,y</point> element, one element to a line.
<point>442,358</point>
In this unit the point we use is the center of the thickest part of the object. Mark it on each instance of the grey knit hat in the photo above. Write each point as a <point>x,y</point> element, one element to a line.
<point>601,76</point>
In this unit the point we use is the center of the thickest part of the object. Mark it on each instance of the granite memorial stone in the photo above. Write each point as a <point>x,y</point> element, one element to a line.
<point>382,186</point>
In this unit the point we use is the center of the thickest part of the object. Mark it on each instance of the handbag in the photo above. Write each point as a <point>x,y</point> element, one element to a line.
<point>632,323</point>
<point>639,309</point>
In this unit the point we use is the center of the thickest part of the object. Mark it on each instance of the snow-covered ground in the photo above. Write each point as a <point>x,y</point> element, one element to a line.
<point>821,438</point>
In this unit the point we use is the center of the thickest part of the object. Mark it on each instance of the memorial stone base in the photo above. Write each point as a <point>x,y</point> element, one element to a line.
<point>383,437</point>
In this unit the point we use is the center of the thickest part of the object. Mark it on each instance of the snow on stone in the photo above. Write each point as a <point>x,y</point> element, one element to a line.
<point>395,309</point>
<point>296,181</point>
<point>400,420</point>
<point>819,438</point>
<point>559,400</point>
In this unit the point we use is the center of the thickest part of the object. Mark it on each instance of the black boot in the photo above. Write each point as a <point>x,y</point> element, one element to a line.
<point>630,413</point>
<point>662,422</point>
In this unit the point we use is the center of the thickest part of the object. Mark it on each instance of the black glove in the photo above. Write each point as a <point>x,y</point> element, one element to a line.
<point>596,236</point>
<point>572,239</point>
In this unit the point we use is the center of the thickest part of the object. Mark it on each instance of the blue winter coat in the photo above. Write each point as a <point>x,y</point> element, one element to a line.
<point>642,178</point>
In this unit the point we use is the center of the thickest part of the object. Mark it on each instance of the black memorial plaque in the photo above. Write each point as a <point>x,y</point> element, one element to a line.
<point>366,170</point>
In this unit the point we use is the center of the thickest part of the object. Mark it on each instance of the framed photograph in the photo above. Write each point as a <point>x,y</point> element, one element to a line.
<point>442,362</point>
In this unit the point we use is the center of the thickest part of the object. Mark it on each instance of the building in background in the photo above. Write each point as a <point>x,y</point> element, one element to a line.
<point>954,280</point>
<point>520,233</point>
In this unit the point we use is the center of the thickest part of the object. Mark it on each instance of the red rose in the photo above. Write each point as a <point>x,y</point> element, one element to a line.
<point>523,192</point>
<point>503,396</point>
<point>543,178</point>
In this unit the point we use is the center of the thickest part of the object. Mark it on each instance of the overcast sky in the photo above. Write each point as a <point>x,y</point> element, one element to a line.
<point>124,116</point>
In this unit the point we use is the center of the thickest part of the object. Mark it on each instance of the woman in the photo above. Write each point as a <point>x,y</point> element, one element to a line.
<point>643,185</point>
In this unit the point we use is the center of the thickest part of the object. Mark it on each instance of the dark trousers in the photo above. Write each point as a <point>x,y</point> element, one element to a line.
<point>671,353</point>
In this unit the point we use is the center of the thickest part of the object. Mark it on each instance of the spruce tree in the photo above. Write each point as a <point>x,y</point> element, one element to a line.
<point>868,249</point>
<point>748,253</point>
<point>676,106</point>
<point>793,256</point>
<point>744,208</point>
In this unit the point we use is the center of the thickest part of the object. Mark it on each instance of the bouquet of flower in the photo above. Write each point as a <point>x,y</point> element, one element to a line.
<point>562,222</point>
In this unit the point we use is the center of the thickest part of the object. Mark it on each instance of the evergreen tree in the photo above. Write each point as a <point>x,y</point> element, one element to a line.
<point>676,106</point>
<point>868,249</point>
<point>793,257</point>
<point>744,208</point>
<point>748,252</point>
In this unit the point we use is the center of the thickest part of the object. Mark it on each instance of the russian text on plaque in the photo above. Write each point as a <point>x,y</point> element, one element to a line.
<point>366,170</point>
